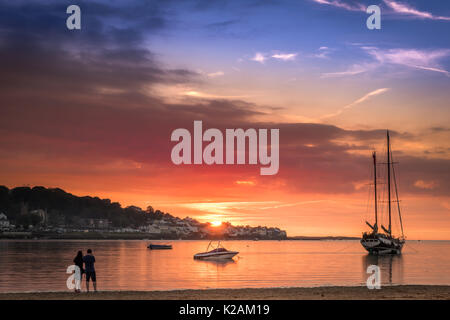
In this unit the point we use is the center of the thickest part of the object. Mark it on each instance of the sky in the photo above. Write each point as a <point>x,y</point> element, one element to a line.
<point>91,111</point>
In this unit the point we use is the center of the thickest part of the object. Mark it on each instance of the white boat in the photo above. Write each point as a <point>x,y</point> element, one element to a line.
<point>217,253</point>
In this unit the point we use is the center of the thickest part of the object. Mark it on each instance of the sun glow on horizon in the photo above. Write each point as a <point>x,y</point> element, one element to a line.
<point>216,223</point>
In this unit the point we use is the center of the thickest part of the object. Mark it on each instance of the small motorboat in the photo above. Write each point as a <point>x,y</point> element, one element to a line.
<point>216,253</point>
<point>159,246</point>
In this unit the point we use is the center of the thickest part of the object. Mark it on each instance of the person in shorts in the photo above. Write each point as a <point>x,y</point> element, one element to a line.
<point>89,269</point>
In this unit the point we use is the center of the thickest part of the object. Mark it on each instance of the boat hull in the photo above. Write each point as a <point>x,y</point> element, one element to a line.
<point>159,247</point>
<point>215,255</point>
<point>377,245</point>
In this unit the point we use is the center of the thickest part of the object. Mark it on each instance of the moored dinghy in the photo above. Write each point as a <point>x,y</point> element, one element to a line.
<point>159,246</point>
<point>217,253</point>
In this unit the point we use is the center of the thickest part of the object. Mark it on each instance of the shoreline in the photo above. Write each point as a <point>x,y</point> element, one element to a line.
<point>394,292</point>
<point>170,240</point>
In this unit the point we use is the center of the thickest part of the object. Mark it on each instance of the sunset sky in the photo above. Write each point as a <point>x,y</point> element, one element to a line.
<point>91,111</point>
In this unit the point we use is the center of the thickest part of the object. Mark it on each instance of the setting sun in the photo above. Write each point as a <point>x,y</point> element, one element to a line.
<point>216,223</point>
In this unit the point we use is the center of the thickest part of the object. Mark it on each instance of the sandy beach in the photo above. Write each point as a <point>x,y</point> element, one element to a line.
<point>322,293</point>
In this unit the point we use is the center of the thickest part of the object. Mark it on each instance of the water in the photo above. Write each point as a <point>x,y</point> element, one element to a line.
<point>40,265</point>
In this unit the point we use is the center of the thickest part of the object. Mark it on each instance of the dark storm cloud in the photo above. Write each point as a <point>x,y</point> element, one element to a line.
<point>103,23</point>
<point>39,52</point>
<point>439,129</point>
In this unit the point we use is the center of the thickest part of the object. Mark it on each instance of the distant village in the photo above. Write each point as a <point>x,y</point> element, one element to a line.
<point>52,213</point>
<point>168,227</point>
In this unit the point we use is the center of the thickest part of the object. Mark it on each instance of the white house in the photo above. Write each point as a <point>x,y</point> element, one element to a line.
<point>4,223</point>
<point>151,229</point>
<point>190,228</point>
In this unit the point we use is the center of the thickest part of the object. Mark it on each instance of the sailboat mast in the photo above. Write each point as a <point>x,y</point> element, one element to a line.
<point>396,196</point>
<point>375,188</point>
<point>389,179</point>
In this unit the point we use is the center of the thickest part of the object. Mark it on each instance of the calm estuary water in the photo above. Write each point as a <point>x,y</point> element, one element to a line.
<point>37,265</point>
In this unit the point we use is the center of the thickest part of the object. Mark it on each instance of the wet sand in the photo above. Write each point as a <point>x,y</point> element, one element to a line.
<point>322,293</point>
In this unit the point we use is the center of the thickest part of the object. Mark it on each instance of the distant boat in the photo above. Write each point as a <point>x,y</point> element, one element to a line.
<point>376,242</point>
<point>216,253</point>
<point>159,246</point>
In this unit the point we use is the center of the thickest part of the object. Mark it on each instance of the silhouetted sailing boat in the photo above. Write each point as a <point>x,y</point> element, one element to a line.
<point>378,242</point>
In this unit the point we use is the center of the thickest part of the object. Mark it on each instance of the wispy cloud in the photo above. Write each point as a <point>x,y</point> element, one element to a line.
<point>354,103</point>
<point>245,182</point>
<point>203,95</point>
<point>227,207</point>
<point>284,56</point>
<point>425,184</point>
<point>215,74</point>
<point>262,57</point>
<point>413,58</point>
<point>433,69</point>
<point>342,4</point>
<point>294,204</point>
<point>407,10</point>
<point>395,6</point>
<point>322,52</point>
<point>259,57</point>
<point>354,69</point>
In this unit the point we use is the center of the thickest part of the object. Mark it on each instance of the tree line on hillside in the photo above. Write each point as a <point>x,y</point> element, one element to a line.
<point>64,208</point>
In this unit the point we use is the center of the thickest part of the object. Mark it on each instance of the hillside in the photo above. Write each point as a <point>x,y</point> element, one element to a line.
<point>52,212</point>
<point>65,208</point>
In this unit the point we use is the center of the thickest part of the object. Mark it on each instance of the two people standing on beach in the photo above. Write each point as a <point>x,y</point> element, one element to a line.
<point>89,270</point>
